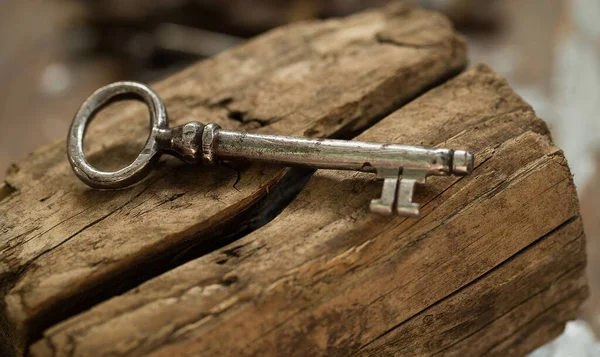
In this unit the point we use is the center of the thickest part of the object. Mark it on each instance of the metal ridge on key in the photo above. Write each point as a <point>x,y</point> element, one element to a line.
<point>401,167</point>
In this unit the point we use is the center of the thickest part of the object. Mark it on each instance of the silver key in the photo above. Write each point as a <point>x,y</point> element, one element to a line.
<point>401,167</point>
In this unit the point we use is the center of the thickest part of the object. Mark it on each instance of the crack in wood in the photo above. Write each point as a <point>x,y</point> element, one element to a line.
<point>6,190</point>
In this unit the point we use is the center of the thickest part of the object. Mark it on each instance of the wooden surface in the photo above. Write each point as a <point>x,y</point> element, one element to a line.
<point>495,266</point>
<point>65,247</point>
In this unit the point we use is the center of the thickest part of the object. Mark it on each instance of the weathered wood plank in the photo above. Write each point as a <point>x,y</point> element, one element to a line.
<point>496,261</point>
<point>64,246</point>
<point>496,308</point>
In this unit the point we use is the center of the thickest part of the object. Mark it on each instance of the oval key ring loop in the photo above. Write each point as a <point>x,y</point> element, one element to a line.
<point>140,167</point>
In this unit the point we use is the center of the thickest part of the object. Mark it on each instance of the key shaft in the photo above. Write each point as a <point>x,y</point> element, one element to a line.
<point>401,167</point>
<point>333,154</point>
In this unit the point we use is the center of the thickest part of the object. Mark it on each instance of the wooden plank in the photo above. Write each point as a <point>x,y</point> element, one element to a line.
<point>492,256</point>
<point>64,247</point>
<point>544,276</point>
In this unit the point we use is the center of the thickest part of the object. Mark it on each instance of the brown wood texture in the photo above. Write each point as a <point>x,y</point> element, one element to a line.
<point>495,266</point>
<point>65,247</point>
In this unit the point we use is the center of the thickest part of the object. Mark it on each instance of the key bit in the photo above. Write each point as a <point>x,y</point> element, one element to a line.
<point>385,204</point>
<point>408,182</point>
<point>397,193</point>
<point>401,167</point>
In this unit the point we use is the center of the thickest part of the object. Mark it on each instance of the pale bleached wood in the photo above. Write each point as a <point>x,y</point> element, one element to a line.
<point>494,265</point>
<point>63,246</point>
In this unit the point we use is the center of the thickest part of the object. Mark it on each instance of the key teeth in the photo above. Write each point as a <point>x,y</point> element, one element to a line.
<point>385,204</point>
<point>397,193</point>
<point>413,210</point>
<point>379,207</point>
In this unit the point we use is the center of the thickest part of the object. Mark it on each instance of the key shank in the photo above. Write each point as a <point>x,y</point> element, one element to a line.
<point>335,154</point>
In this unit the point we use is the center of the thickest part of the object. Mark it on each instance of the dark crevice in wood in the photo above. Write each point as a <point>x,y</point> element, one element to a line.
<point>269,207</point>
<point>7,341</point>
<point>242,117</point>
<point>532,245</point>
<point>203,243</point>
<point>6,190</point>
<point>239,116</point>
<point>387,40</point>
<point>140,271</point>
<point>236,115</point>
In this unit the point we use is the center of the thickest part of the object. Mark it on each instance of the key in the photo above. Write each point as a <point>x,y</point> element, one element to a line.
<point>401,167</point>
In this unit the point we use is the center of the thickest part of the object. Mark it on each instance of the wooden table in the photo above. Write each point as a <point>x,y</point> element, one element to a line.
<point>169,268</point>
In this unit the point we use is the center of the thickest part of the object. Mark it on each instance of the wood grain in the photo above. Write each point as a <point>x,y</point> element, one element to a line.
<point>64,247</point>
<point>494,266</point>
